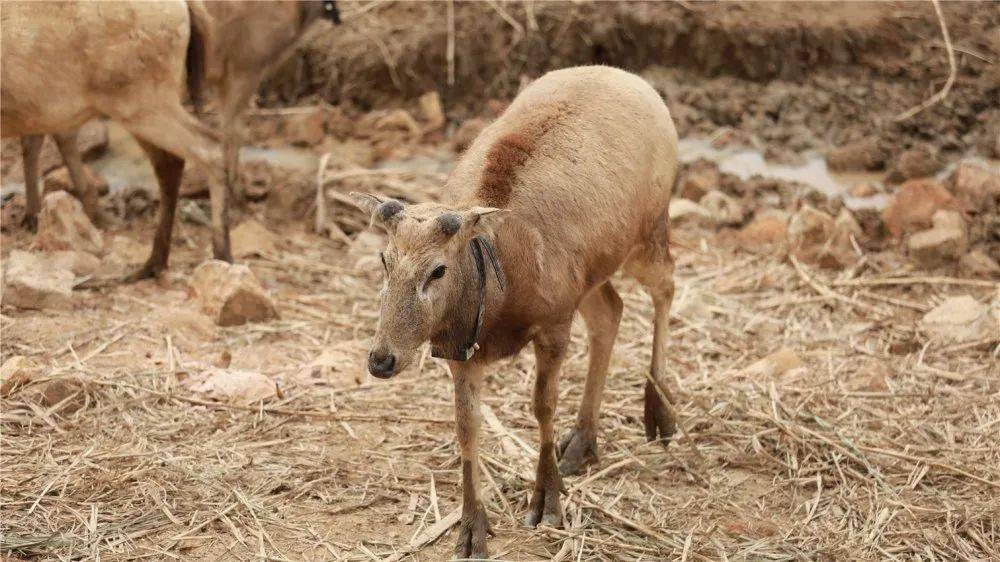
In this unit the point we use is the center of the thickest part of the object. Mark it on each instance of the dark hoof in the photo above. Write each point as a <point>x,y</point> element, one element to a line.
<point>147,271</point>
<point>472,533</point>
<point>545,506</point>
<point>30,222</point>
<point>577,451</point>
<point>224,255</point>
<point>658,417</point>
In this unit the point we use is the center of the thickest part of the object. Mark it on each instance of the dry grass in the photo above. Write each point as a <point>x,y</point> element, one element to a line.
<point>882,444</point>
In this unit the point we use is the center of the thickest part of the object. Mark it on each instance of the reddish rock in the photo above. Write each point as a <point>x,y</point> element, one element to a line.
<point>306,128</point>
<point>865,154</point>
<point>467,133</point>
<point>817,238</point>
<point>943,244</point>
<point>768,232</point>
<point>230,294</point>
<point>917,162</point>
<point>62,225</point>
<point>699,178</point>
<point>431,111</point>
<point>913,205</point>
<point>976,187</point>
<point>31,282</point>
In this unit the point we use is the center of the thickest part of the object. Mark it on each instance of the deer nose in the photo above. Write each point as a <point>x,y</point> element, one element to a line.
<point>381,364</point>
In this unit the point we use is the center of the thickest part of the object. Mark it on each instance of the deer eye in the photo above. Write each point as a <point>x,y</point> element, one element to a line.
<point>438,272</point>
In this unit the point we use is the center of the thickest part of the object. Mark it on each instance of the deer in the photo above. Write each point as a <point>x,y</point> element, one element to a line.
<point>568,186</point>
<point>31,149</point>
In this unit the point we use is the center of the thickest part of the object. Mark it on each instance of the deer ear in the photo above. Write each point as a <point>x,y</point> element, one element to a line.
<point>483,219</point>
<point>366,201</point>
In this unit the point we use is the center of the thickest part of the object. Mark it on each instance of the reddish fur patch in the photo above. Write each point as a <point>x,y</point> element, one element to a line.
<point>502,162</point>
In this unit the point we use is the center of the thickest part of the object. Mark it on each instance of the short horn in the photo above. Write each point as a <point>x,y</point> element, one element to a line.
<point>389,210</point>
<point>449,223</point>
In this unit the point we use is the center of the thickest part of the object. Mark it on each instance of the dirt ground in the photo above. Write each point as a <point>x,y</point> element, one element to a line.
<point>820,418</point>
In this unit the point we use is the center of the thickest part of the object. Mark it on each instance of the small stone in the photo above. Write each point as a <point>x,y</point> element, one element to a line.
<point>230,294</point>
<point>913,205</point>
<point>862,155</point>
<point>431,111</point>
<point>307,128</point>
<point>399,120</point>
<point>918,162</point>
<point>81,264</point>
<point>699,178</point>
<point>863,190</point>
<point>684,210</point>
<point>979,265</point>
<point>59,180</point>
<point>767,232</point>
<point>232,386</point>
<point>126,251</point>
<point>960,319</point>
<point>775,364</point>
<point>32,282</point>
<point>68,394</point>
<point>976,187</point>
<point>467,133</point>
<point>937,247</point>
<point>817,238</point>
<point>62,225</point>
<point>724,209</point>
<point>251,238</point>
<point>15,372</point>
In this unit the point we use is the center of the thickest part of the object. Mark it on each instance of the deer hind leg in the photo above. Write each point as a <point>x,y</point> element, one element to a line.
<point>31,148</point>
<point>85,191</point>
<point>235,98</point>
<point>170,128</point>
<point>653,267</point>
<point>474,526</point>
<point>169,169</point>
<point>550,350</point>
<point>602,311</point>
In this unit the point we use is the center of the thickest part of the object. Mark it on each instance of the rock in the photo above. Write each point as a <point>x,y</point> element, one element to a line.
<point>863,190</point>
<point>815,237</point>
<point>684,210</point>
<point>126,251</point>
<point>232,386</point>
<point>59,180</point>
<point>723,208</point>
<point>775,364</point>
<point>975,187</point>
<point>943,244</point>
<point>699,178</point>
<point>913,205</point>
<point>81,264</point>
<point>257,178</point>
<point>872,376</point>
<point>767,232</point>
<point>431,111</point>
<point>15,372</point>
<point>251,238</point>
<point>31,282</point>
<point>68,394</point>
<point>307,128</point>
<point>979,265</point>
<point>960,319</point>
<point>918,162</point>
<point>186,324</point>
<point>230,294</point>
<point>398,120</point>
<point>467,133</point>
<point>865,154</point>
<point>62,225</point>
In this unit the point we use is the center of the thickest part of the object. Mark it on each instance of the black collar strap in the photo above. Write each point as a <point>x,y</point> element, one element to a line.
<point>478,246</point>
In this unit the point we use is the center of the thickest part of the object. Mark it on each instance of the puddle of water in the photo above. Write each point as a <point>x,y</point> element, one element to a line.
<point>745,163</point>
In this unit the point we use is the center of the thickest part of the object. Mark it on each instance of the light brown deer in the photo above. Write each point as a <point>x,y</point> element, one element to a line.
<point>569,185</point>
<point>64,63</point>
